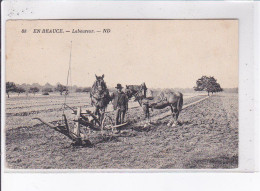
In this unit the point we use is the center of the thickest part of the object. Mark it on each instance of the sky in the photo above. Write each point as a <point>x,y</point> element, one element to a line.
<point>161,53</point>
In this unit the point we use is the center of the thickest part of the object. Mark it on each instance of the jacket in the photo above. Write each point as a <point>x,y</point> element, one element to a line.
<point>120,101</point>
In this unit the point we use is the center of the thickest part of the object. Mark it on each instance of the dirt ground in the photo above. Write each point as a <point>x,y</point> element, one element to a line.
<point>206,137</point>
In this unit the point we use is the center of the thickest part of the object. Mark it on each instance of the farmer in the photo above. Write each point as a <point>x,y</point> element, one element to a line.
<point>120,104</point>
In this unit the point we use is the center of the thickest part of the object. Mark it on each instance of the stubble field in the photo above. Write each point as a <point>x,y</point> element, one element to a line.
<point>206,137</point>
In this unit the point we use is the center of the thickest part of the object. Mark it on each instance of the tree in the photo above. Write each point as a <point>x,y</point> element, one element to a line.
<point>208,84</point>
<point>61,88</point>
<point>10,87</point>
<point>218,88</point>
<point>20,90</point>
<point>47,90</point>
<point>34,90</point>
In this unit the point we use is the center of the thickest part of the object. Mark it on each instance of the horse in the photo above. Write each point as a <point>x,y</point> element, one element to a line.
<point>100,97</point>
<point>162,100</point>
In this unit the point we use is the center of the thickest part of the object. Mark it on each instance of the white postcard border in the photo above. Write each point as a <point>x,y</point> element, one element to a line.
<point>243,11</point>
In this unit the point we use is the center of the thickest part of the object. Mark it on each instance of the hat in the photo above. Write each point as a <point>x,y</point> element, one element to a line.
<point>119,86</point>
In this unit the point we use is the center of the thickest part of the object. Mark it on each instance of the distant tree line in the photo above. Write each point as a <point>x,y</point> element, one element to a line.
<point>205,83</point>
<point>45,89</point>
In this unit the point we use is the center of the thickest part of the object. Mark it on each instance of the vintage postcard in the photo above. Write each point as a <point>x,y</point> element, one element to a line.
<point>121,94</point>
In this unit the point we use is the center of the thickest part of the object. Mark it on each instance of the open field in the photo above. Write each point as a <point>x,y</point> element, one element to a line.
<point>20,110</point>
<point>206,137</point>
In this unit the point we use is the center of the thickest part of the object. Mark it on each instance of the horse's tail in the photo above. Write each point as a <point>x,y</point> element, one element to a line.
<point>180,102</point>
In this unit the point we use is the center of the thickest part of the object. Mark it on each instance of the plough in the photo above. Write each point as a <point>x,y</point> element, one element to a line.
<point>83,122</point>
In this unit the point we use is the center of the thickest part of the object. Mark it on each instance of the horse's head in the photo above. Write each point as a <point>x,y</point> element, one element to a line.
<point>100,83</point>
<point>129,91</point>
<point>138,91</point>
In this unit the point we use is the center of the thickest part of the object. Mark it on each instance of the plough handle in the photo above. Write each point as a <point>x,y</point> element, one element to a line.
<point>65,131</point>
<point>45,122</point>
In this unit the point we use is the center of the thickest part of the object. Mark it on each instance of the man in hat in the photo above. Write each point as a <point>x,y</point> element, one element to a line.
<point>120,104</point>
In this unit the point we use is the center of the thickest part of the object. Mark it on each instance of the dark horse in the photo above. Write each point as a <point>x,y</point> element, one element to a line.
<point>100,97</point>
<point>161,100</point>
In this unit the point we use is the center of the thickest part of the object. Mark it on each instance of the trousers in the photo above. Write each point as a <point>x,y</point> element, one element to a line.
<point>120,116</point>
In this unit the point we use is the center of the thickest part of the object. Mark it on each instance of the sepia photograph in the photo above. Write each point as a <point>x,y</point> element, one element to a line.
<point>122,94</point>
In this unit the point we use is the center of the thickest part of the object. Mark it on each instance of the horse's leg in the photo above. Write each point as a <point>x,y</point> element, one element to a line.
<point>171,121</point>
<point>147,115</point>
<point>175,114</point>
<point>144,111</point>
<point>175,117</point>
<point>98,113</point>
<point>102,114</point>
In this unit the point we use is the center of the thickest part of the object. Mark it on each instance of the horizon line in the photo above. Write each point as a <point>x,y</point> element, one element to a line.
<point>109,86</point>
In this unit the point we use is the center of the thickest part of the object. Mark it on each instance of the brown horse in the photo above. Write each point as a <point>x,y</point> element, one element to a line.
<point>162,100</point>
<point>100,97</point>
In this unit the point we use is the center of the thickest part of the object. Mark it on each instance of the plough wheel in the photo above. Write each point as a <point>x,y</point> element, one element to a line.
<point>107,129</point>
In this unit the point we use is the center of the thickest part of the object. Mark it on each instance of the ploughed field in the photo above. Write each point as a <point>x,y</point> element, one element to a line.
<point>206,136</point>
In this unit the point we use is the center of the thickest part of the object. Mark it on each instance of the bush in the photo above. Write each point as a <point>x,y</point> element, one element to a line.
<point>78,90</point>
<point>88,89</point>
<point>47,90</point>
